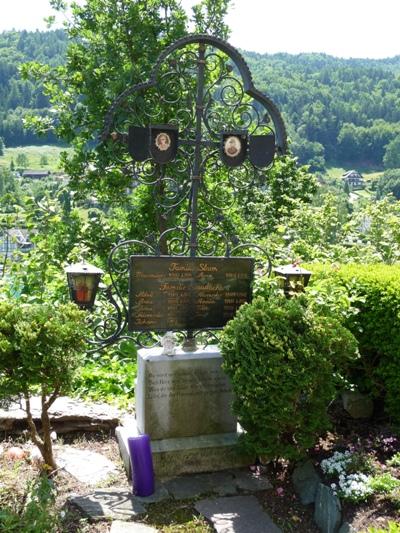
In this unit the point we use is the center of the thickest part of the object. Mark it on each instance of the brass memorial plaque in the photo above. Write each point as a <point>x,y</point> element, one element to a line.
<point>172,293</point>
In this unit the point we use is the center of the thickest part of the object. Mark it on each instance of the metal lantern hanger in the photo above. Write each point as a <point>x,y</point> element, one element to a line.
<point>293,278</point>
<point>83,281</point>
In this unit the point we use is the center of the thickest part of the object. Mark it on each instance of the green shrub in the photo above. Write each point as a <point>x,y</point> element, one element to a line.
<point>374,293</point>
<point>284,362</point>
<point>392,527</point>
<point>361,463</point>
<point>38,514</point>
<point>384,483</point>
<point>41,347</point>
<point>394,498</point>
<point>394,460</point>
<point>109,376</point>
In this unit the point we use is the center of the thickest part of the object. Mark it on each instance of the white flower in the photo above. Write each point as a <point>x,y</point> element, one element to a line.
<point>354,487</point>
<point>336,464</point>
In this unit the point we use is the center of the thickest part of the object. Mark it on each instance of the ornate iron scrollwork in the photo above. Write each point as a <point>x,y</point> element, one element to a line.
<point>202,88</point>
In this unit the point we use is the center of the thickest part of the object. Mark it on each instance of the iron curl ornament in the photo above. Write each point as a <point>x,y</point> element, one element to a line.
<point>198,134</point>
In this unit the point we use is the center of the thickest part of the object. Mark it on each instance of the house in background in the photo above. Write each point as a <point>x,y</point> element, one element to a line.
<point>14,240</point>
<point>354,179</point>
<point>35,174</point>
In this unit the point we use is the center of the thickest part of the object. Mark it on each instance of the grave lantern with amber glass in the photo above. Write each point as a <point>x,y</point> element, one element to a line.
<point>83,281</point>
<point>293,279</point>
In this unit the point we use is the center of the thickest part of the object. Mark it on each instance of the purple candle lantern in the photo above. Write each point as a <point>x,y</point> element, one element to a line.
<point>142,465</point>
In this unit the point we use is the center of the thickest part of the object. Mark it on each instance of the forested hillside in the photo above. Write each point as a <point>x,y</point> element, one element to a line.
<point>17,95</point>
<point>337,110</point>
<point>345,112</point>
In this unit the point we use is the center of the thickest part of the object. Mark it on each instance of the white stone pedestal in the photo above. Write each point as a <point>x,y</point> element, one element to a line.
<point>185,395</point>
<point>184,403</point>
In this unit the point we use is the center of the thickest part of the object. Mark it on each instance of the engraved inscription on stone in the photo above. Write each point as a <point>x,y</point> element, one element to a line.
<point>172,293</point>
<point>184,395</point>
<point>165,386</point>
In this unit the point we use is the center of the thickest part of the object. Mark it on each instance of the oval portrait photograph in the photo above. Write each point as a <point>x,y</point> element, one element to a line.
<point>232,146</point>
<point>163,141</point>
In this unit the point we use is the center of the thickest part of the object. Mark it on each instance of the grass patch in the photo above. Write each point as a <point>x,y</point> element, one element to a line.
<point>173,517</point>
<point>372,176</point>
<point>335,172</point>
<point>37,157</point>
<point>362,193</point>
<point>26,499</point>
<point>37,514</point>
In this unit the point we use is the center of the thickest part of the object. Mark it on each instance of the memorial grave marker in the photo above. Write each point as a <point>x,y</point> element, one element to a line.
<point>198,134</point>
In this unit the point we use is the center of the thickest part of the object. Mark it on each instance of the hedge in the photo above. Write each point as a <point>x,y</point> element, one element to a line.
<point>374,296</point>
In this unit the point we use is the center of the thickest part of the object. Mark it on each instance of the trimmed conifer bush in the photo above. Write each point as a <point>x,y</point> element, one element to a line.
<point>284,362</point>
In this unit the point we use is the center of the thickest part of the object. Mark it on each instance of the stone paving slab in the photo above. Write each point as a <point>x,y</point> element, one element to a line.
<point>236,514</point>
<point>187,487</point>
<point>120,503</point>
<point>223,483</point>
<point>130,527</point>
<point>249,482</point>
<point>87,467</point>
<point>112,503</point>
<point>160,494</point>
<point>226,483</point>
<point>66,415</point>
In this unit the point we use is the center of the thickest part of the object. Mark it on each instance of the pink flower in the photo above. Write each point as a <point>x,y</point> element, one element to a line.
<point>280,491</point>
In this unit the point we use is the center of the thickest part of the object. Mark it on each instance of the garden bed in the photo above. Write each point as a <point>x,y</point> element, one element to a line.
<point>168,516</point>
<point>374,440</point>
<point>372,443</point>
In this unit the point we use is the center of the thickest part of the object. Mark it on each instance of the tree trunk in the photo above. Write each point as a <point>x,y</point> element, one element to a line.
<point>47,452</point>
<point>46,428</point>
<point>33,429</point>
<point>43,443</point>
